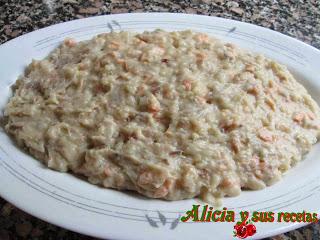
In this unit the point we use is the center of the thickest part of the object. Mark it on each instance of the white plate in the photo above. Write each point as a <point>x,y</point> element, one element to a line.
<point>74,204</point>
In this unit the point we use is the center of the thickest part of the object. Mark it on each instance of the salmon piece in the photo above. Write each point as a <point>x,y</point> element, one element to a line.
<point>70,42</point>
<point>270,103</point>
<point>107,170</point>
<point>155,182</point>
<point>145,178</point>
<point>262,165</point>
<point>82,66</point>
<point>166,92</point>
<point>101,88</point>
<point>203,38</point>
<point>155,87</point>
<point>140,90</point>
<point>235,145</point>
<point>187,84</point>
<point>254,161</point>
<point>204,174</point>
<point>299,117</point>
<point>253,91</point>
<point>250,68</point>
<point>226,183</point>
<point>154,108</point>
<point>125,66</point>
<point>113,54</point>
<point>163,190</point>
<point>119,61</point>
<point>311,115</point>
<point>200,58</point>
<point>265,135</point>
<point>229,127</point>
<point>114,45</point>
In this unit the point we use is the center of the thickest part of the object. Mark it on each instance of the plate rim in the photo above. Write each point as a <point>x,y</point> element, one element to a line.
<point>26,35</point>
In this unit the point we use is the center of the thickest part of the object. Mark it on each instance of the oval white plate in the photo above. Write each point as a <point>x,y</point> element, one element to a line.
<point>64,200</point>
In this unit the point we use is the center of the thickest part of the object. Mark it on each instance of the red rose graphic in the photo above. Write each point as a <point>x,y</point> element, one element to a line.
<point>238,225</point>
<point>251,229</point>
<point>244,230</point>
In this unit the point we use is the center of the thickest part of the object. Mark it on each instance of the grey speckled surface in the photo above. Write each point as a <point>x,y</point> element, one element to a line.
<point>296,18</point>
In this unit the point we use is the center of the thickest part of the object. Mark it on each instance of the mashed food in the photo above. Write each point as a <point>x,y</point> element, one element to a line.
<point>170,115</point>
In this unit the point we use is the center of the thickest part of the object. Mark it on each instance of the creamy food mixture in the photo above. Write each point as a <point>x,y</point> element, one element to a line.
<point>170,115</point>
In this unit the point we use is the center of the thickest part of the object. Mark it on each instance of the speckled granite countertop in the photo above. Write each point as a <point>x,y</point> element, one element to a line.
<point>299,19</point>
